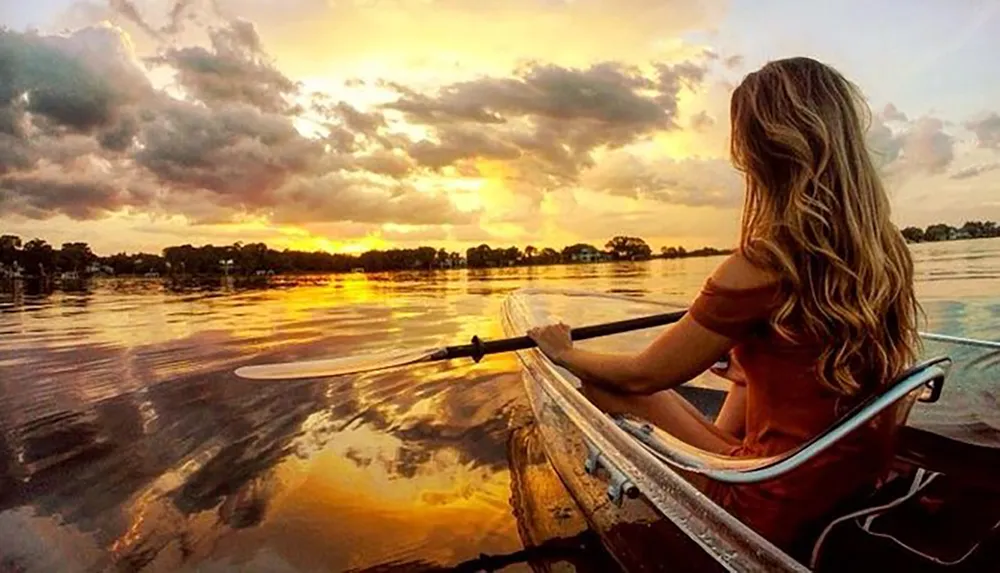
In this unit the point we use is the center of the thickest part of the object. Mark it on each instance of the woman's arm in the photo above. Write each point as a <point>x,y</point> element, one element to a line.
<point>732,417</point>
<point>680,353</point>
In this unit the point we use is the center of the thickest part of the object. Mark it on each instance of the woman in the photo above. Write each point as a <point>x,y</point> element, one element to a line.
<point>816,309</point>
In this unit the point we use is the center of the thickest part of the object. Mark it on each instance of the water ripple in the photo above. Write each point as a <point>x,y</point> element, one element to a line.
<point>126,442</point>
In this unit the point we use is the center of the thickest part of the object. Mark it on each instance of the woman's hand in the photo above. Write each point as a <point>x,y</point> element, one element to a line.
<point>733,371</point>
<point>553,340</point>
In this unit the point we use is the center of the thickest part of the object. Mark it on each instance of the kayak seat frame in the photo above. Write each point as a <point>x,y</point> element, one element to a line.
<point>923,382</point>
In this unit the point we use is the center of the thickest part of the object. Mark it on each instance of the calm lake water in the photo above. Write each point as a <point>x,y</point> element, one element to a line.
<point>126,443</point>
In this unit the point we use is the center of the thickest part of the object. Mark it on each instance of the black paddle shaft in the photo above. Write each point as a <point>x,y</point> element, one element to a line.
<point>479,348</point>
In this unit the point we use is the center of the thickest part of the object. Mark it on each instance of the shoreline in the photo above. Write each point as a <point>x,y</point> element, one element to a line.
<point>240,276</point>
<point>254,277</point>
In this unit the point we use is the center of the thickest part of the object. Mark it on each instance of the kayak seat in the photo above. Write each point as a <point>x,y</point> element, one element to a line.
<point>922,382</point>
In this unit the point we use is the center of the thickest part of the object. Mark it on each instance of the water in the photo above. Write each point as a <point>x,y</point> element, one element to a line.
<point>126,442</point>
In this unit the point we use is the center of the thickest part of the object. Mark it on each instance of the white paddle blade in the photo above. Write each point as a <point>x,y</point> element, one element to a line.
<point>962,341</point>
<point>335,366</point>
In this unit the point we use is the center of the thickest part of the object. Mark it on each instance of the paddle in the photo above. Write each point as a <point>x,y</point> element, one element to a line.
<point>963,341</point>
<point>475,350</point>
<point>479,348</point>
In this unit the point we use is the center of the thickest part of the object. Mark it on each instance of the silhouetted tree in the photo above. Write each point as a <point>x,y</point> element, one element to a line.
<point>38,257</point>
<point>628,248</point>
<point>574,252</point>
<point>529,253</point>
<point>442,259</point>
<point>913,234</point>
<point>75,257</point>
<point>939,232</point>
<point>478,257</point>
<point>10,249</point>
<point>548,256</point>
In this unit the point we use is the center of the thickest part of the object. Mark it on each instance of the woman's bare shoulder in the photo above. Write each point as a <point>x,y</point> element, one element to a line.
<point>738,272</point>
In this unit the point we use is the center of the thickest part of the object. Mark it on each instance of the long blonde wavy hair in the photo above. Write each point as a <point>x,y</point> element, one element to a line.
<point>816,212</point>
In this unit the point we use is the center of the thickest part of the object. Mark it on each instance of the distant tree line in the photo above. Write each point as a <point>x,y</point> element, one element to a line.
<point>37,258</point>
<point>942,232</point>
<point>680,252</point>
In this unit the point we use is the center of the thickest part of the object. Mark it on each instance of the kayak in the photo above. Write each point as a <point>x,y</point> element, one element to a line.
<point>627,477</point>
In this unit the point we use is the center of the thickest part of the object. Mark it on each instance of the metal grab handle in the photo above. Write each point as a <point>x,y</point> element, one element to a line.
<point>619,485</point>
<point>995,345</point>
<point>730,469</point>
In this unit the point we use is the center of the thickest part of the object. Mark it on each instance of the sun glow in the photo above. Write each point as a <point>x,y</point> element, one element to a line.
<point>350,246</point>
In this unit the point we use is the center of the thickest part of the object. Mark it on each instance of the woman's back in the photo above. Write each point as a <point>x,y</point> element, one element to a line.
<point>837,322</point>
<point>786,405</point>
<point>818,218</point>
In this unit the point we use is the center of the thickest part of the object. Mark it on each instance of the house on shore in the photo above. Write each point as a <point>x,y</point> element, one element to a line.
<point>11,272</point>
<point>100,270</point>
<point>588,254</point>
<point>453,263</point>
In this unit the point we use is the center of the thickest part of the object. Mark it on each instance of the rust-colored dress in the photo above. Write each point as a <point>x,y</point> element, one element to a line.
<point>786,406</point>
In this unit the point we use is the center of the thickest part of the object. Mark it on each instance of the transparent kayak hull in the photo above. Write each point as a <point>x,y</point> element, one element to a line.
<point>597,460</point>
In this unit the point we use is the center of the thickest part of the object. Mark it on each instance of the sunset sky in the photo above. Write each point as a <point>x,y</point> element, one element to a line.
<point>356,124</point>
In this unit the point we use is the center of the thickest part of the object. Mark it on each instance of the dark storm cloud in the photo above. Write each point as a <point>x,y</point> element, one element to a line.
<point>15,154</point>
<point>128,10</point>
<point>701,121</point>
<point>217,79</point>
<point>547,119</point>
<point>231,146</point>
<point>733,62</point>
<point>461,143</point>
<point>672,77</point>
<point>239,159</point>
<point>234,70</point>
<point>121,136</point>
<point>987,130</point>
<point>349,127</point>
<point>177,12</point>
<point>890,113</point>
<point>40,196</point>
<point>81,103</point>
<point>237,151</point>
<point>383,162</point>
<point>927,147</point>
<point>188,8</point>
<point>884,145</point>
<point>923,146</point>
<point>338,197</point>
<point>69,84</point>
<point>606,93</point>
<point>358,121</point>
<point>13,121</point>
<point>690,182</point>
<point>56,89</point>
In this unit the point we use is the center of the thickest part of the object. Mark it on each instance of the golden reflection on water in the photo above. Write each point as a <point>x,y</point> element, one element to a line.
<point>160,317</point>
<point>334,513</point>
<point>353,495</point>
<point>343,507</point>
